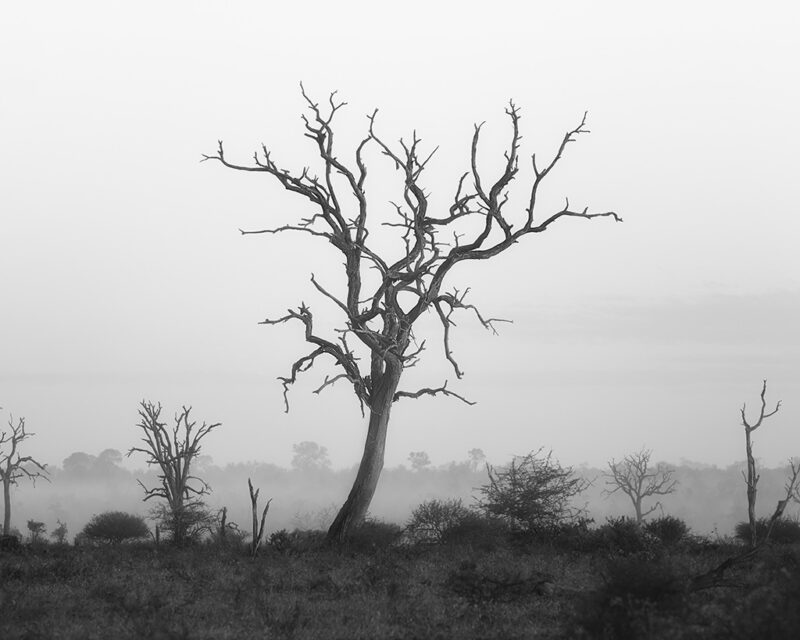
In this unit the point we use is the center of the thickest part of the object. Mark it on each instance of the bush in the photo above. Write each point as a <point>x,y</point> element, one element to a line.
<point>498,582</point>
<point>114,527</point>
<point>576,535</point>
<point>624,536</point>
<point>478,530</point>
<point>37,530</point>
<point>637,590</point>
<point>59,534</point>
<point>227,534</point>
<point>770,608</point>
<point>433,519</point>
<point>187,525</point>
<point>785,530</point>
<point>533,493</point>
<point>372,535</point>
<point>297,541</point>
<point>668,529</point>
<point>9,543</point>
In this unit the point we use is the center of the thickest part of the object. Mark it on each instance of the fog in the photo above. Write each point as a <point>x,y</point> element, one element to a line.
<point>123,275</point>
<point>710,499</point>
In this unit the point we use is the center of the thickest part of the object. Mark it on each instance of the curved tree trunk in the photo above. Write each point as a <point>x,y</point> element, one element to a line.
<point>355,507</point>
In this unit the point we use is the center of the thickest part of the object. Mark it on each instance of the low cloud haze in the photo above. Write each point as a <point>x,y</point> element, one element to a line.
<point>710,499</point>
<point>123,275</point>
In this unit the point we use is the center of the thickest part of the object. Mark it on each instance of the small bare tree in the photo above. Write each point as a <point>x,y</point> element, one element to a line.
<point>14,466</point>
<point>634,476</point>
<point>388,290</point>
<point>258,530</point>
<point>173,451</point>
<point>751,477</point>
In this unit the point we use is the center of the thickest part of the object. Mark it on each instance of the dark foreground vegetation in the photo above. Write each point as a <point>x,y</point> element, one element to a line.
<point>475,579</point>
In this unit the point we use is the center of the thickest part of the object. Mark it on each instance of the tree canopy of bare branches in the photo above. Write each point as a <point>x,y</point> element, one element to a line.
<point>751,477</point>
<point>386,294</point>
<point>14,466</point>
<point>634,476</point>
<point>173,451</point>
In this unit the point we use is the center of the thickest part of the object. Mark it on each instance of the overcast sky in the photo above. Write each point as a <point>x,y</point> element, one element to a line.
<point>123,275</point>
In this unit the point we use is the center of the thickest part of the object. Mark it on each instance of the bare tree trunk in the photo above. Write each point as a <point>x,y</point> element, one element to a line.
<point>752,477</point>
<point>752,489</point>
<point>7,506</point>
<point>355,507</point>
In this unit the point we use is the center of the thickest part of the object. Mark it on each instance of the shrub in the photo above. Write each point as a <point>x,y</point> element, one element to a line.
<point>433,519</point>
<point>59,534</point>
<point>784,531</point>
<point>668,529</point>
<point>37,529</point>
<point>624,536</point>
<point>114,527</point>
<point>185,525</point>
<point>227,534</point>
<point>9,543</point>
<point>771,608</point>
<point>297,541</point>
<point>533,493</point>
<point>373,534</point>
<point>498,582</point>
<point>637,589</point>
<point>577,535</point>
<point>484,532</point>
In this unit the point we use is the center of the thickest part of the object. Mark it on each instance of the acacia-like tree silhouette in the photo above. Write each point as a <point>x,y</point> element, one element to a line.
<point>637,479</point>
<point>533,493</point>
<point>310,456</point>
<point>387,292</point>
<point>173,451</point>
<point>14,466</point>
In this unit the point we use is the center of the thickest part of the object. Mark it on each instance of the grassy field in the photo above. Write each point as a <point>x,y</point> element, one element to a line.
<point>460,591</point>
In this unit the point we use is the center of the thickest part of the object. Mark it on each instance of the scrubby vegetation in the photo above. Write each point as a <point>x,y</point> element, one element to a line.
<point>522,559</point>
<point>479,580</point>
<point>533,493</point>
<point>114,527</point>
<point>783,530</point>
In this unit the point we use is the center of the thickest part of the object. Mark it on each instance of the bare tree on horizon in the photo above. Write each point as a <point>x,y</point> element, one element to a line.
<point>173,451</point>
<point>12,468</point>
<point>634,476</point>
<point>385,294</point>
<point>751,478</point>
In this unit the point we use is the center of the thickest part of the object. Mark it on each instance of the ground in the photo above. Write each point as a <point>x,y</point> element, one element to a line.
<point>509,591</point>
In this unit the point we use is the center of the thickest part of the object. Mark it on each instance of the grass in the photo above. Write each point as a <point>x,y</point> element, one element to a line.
<point>534,591</point>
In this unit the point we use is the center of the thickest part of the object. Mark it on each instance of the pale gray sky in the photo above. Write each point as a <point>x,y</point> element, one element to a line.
<point>123,275</point>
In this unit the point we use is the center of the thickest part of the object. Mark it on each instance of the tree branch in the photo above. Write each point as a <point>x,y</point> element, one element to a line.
<point>427,391</point>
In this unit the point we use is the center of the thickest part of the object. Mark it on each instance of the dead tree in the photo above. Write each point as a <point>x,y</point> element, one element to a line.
<point>386,292</point>
<point>14,466</point>
<point>715,577</point>
<point>258,530</point>
<point>634,476</point>
<point>751,478</point>
<point>173,451</point>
